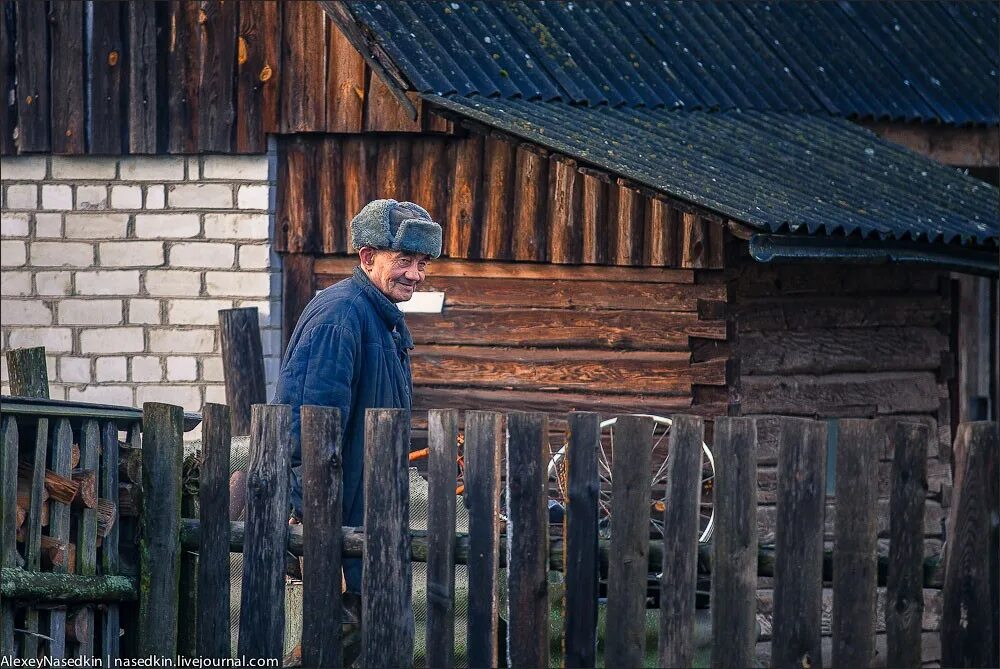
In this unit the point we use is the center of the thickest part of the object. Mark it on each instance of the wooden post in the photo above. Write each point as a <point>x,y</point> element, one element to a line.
<point>442,437</point>
<point>27,372</point>
<point>86,532</point>
<point>322,517</point>
<point>262,603</point>
<point>904,595</point>
<point>483,443</point>
<point>680,554</point>
<point>187,620</point>
<point>968,637</point>
<point>59,527</point>
<point>627,561</point>
<point>386,612</point>
<point>213,635</point>
<point>798,581</point>
<point>8,526</point>
<point>242,365</point>
<point>108,489</point>
<point>855,545</point>
<point>581,562</point>
<point>734,563</point>
<point>32,548</point>
<point>527,540</point>
<point>159,545</point>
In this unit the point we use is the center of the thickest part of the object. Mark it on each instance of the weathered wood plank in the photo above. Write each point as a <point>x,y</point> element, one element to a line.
<point>429,176</point>
<point>218,24</point>
<point>484,439</point>
<point>32,546</point>
<point>734,573</point>
<point>855,547</point>
<point>28,372</point>
<point>531,183</point>
<point>594,212</point>
<point>303,61</point>
<point>250,82</point>
<point>322,513</point>
<point>272,39</point>
<point>8,93</point>
<point>345,82</point>
<point>716,245</point>
<point>108,78</point>
<point>86,532</point>
<point>840,394</point>
<point>799,543</point>
<point>213,635</point>
<point>242,365</point>
<point>660,247</point>
<point>821,313</point>
<point>387,633</point>
<point>297,228</point>
<point>393,170</point>
<point>904,587</point>
<point>627,240</point>
<point>360,158</point>
<point>144,117</point>
<point>498,205</point>
<point>332,220</point>
<point>32,68</point>
<point>527,540</point>
<point>462,232</point>
<point>108,489</point>
<point>262,605</point>
<point>693,241</point>
<point>582,565</point>
<point>59,526</point>
<point>297,289</point>
<point>383,110</point>
<point>442,429</point>
<point>627,562</point>
<point>183,67</point>
<point>8,526</point>
<point>67,107</point>
<point>565,196</point>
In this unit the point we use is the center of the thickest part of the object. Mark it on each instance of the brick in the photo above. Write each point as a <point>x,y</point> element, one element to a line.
<point>202,254</point>
<point>124,197</point>
<point>152,168</point>
<point>173,283</point>
<point>195,312</point>
<point>22,196</point>
<point>14,225</point>
<point>182,368</point>
<point>236,226</point>
<point>193,169</point>
<point>237,168</point>
<point>131,254</point>
<point>91,197</point>
<point>12,253</point>
<point>62,254</point>
<point>215,394</point>
<point>112,340</point>
<point>253,197</point>
<point>111,369</point>
<point>211,369</point>
<point>15,283</point>
<point>48,225</point>
<point>23,168</point>
<point>239,284</point>
<point>255,256</point>
<point>107,282</point>
<point>186,396</point>
<point>144,311</point>
<point>96,226</point>
<point>53,283</point>
<point>90,312</point>
<point>200,196</point>
<point>57,196</point>
<point>79,167</point>
<point>147,368</point>
<point>55,340</point>
<point>102,394</point>
<point>177,226</point>
<point>172,340</point>
<point>26,312</point>
<point>74,370</point>
<point>156,197</point>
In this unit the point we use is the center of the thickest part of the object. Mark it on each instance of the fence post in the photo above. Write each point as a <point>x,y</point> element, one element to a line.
<point>262,602</point>
<point>798,581</point>
<point>581,565</point>
<point>527,540</point>
<point>627,559</point>
<point>160,546</point>
<point>242,365</point>
<point>59,528</point>
<point>734,560</point>
<point>86,532</point>
<point>442,434</point>
<point>483,444</point>
<point>855,542</point>
<point>213,633</point>
<point>322,540</point>
<point>27,371</point>
<point>8,526</point>
<point>110,642</point>
<point>386,611</point>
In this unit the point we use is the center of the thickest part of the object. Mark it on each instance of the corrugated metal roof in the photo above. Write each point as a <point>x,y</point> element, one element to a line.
<point>776,171</point>
<point>931,61</point>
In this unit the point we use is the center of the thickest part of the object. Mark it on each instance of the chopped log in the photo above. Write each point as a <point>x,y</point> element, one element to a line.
<point>74,456</point>
<point>128,500</point>
<point>107,515</point>
<point>130,465</point>
<point>86,493</point>
<point>56,553</point>
<point>44,513</point>
<point>61,488</point>
<point>80,627</point>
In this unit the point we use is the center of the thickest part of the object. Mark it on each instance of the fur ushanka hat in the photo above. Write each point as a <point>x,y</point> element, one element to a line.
<point>398,226</point>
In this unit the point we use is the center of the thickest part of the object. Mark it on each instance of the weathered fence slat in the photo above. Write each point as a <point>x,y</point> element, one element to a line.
<point>159,545</point>
<point>855,542</point>
<point>262,604</point>
<point>59,527</point>
<point>582,567</point>
<point>143,118</point>
<point>734,563</point>
<point>33,539</point>
<point>242,364</point>
<point>27,371</point>
<point>387,632</point>
<point>798,582</point>
<point>442,437</point>
<point>213,637</point>
<point>108,79</point>
<point>86,531</point>
<point>627,562</point>
<point>66,72</point>
<point>322,516</point>
<point>483,444</point>
<point>108,486</point>
<point>968,634</point>
<point>680,554</point>
<point>8,529</point>
<point>32,77</point>
<point>527,540</point>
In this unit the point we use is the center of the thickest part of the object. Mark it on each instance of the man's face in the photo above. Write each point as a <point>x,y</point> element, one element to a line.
<point>396,273</point>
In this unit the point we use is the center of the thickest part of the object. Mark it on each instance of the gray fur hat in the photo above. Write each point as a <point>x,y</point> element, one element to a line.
<point>398,226</point>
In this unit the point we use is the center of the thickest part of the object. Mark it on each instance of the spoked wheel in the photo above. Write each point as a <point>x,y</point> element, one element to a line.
<point>658,478</point>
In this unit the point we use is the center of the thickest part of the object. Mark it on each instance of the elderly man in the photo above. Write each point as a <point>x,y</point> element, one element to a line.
<point>350,347</point>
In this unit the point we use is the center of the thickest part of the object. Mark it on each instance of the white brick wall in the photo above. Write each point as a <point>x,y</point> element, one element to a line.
<point>120,266</point>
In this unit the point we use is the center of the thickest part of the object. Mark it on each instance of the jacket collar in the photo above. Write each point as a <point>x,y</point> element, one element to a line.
<point>387,311</point>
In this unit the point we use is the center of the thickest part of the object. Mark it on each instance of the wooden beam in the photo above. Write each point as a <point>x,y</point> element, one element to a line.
<point>961,147</point>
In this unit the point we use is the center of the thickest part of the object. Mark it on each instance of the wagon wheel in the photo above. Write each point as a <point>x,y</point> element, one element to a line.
<point>658,477</point>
